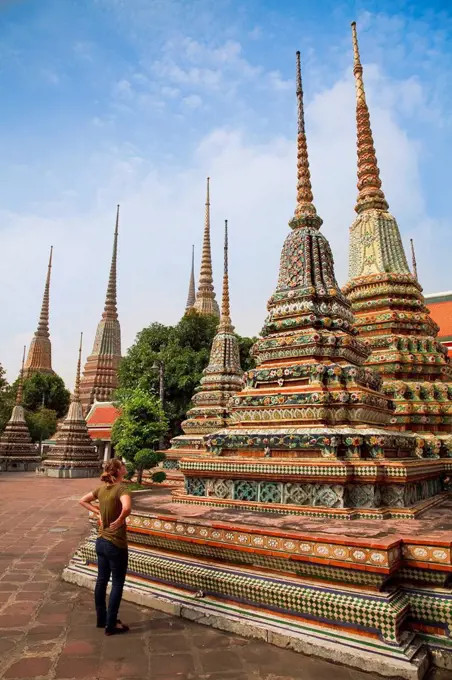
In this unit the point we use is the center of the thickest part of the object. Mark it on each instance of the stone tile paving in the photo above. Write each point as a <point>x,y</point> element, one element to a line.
<point>47,627</point>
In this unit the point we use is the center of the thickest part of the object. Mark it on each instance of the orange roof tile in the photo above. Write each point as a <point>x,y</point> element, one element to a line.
<point>440,306</point>
<point>102,414</point>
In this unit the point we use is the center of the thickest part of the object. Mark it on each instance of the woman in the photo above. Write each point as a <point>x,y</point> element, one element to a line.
<point>115,504</point>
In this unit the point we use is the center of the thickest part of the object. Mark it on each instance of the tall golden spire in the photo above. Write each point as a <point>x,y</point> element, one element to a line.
<point>39,359</point>
<point>110,309</point>
<point>205,297</point>
<point>225,318</point>
<point>370,194</point>
<point>413,259</point>
<point>191,298</point>
<point>100,376</point>
<point>43,325</point>
<point>305,212</point>
<point>76,395</point>
<point>21,381</point>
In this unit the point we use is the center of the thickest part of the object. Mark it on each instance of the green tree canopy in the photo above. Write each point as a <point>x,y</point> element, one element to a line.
<point>140,425</point>
<point>42,424</point>
<point>47,389</point>
<point>184,350</point>
<point>6,399</point>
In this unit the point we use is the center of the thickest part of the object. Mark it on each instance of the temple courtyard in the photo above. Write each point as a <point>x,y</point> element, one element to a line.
<point>47,626</point>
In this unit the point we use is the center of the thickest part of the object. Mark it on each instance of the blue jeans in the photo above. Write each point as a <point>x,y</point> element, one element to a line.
<point>111,561</point>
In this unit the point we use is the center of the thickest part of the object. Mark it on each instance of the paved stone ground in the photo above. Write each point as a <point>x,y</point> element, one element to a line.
<point>47,627</point>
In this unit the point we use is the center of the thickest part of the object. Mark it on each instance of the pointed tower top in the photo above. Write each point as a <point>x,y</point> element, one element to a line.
<point>21,381</point>
<point>413,259</point>
<point>370,194</point>
<point>110,309</point>
<point>191,298</point>
<point>225,318</point>
<point>205,297</point>
<point>76,395</point>
<point>305,212</point>
<point>43,324</point>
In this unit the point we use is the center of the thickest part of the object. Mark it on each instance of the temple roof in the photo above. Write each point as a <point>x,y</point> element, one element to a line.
<point>440,306</point>
<point>102,414</point>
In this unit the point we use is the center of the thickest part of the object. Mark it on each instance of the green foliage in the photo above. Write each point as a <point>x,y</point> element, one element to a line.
<point>42,424</point>
<point>130,470</point>
<point>141,423</point>
<point>147,459</point>
<point>6,399</point>
<point>47,388</point>
<point>185,351</point>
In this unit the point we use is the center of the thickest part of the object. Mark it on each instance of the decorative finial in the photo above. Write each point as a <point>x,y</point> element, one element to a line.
<point>413,258</point>
<point>76,395</point>
<point>21,382</point>
<point>225,308</point>
<point>191,298</point>
<point>110,308</point>
<point>205,296</point>
<point>370,194</point>
<point>43,325</point>
<point>305,212</point>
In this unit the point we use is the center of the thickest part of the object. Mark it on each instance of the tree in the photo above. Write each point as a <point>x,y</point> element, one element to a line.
<point>42,424</point>
<point>146,459</point>
<point>138,429</point>
<point>6,399</point>
<point>185,351</point>
<point>48,390</point>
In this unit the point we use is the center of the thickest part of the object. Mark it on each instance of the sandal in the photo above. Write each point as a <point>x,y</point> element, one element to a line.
<point>117,631</point>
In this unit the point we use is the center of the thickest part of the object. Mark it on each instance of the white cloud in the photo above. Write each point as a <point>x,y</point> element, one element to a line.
<point>123,89</point>
<point>193,101</point>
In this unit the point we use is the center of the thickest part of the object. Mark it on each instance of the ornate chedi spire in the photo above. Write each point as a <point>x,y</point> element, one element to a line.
<point>74,454</point>
<point>222,378</point>
<point>305,212</point>
<point>205,297</point>
<point>100,376</point>
<point>191,298</point>
<point>388,303</point>
<point>413,260</point>
<point>17,452</point>
<point>310,414</point>
<point>39,359</point>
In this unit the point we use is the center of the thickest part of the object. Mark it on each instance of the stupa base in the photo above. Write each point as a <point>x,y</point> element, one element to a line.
<point>183,446</point>
<point>408,660</point>
<point>368,594</point>
<point>19,465</point>
<point>69,472</point>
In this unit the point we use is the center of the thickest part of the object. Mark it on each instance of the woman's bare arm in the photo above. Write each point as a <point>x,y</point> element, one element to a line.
<point>126,502</point>
<point>86,502</point>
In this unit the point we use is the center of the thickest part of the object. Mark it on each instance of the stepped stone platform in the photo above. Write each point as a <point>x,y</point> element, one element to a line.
<point>373,595</point>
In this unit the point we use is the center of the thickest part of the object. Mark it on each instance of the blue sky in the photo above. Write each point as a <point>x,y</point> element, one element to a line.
<point>137,101</point>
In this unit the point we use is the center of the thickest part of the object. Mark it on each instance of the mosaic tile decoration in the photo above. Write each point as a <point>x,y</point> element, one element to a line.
<point>356,644</point>
<point>372,613</point>
<point>289,545</point>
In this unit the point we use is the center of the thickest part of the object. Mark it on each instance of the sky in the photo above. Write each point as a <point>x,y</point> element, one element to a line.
<point>137,101</point>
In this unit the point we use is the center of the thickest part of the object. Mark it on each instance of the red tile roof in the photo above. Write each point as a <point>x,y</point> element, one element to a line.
<point>100,419</point>
<point>440,306</point>
<point>102,413</point>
